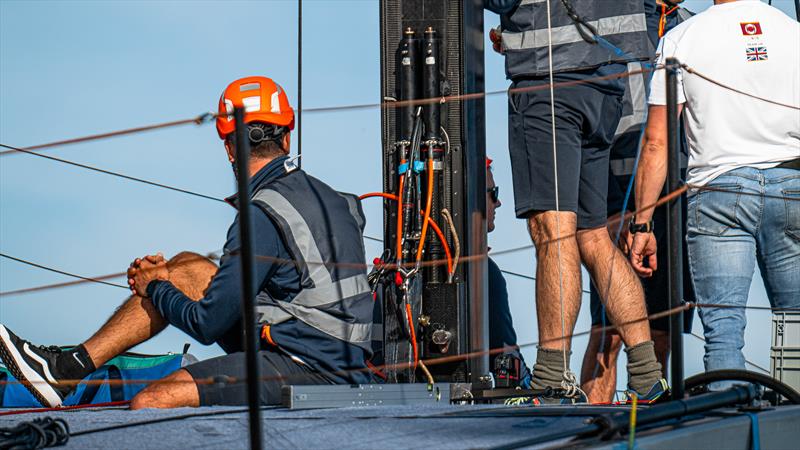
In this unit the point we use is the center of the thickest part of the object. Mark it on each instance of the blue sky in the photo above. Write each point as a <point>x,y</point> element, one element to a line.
<point>72,68</point>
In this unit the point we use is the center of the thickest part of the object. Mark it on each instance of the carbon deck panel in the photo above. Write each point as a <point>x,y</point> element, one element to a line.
<point>432,426</point>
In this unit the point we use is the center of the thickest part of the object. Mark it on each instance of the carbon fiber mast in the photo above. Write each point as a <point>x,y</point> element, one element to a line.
<point>430,50</point>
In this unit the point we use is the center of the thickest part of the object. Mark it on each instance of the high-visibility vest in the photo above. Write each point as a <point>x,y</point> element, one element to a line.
<point>526,36</point>
<point>322,230</point>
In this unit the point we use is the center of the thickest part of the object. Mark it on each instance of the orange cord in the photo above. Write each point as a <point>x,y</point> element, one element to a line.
<point>662,22</point>
<point>439,233</point>
<point>413,335</point>
<point>399,254</point>
<point>427,209</point>
<point>430,221</point>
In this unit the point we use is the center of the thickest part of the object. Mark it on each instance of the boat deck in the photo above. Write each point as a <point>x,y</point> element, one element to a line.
<point>398,427</point>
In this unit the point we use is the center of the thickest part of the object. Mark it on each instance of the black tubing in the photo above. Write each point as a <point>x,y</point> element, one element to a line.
<point>744,375</point>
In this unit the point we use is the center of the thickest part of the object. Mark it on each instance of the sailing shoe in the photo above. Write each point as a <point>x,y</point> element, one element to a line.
<point>658,393</point>
<point>34,366</point>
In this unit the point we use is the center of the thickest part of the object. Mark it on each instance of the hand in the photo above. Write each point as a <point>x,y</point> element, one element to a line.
<point>624,235</point>
<point>144,270</point>
<point>644,247</point>
<point>495,35</point>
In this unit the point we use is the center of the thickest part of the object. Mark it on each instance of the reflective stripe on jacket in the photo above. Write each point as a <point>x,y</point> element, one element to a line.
<point>323,231</point>
<point>525,36</point>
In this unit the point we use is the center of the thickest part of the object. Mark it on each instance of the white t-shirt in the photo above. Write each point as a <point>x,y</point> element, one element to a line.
<point>750,46</point>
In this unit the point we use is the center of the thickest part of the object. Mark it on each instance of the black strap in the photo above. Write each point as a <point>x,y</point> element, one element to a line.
<point>791,164</point>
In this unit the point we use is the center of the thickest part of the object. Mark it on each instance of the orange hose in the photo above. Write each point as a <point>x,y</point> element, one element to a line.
<point>413,335</point>
<point>430,221</point>
<point>439,233</point>
<point>378,194</point>
<point>399,254</point>
<point>427,209</point>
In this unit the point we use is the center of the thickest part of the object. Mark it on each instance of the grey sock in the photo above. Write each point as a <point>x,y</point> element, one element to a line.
<point>643,368</point>
<point>549,368</point>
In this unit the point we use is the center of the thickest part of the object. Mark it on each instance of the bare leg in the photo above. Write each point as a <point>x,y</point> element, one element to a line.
<point>173,391</point>
<point>661,340</point>
<point>600,385</point>
<point>137,320</point>
<point>619,288</point>
<point>556,280</point>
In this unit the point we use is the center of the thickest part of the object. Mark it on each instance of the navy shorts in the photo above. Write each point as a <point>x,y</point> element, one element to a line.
<point>656,288</point>
<point>221,380</point>
<point>586,120</point>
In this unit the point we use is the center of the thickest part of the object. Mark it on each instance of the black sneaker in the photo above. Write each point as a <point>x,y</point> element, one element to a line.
<point>34,366</point>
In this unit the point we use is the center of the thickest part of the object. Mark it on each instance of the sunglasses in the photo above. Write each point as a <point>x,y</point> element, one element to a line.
<point>494,193</point>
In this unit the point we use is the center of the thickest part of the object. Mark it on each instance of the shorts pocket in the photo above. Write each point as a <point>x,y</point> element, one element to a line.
<point>714,209</point>
<point>791,198</point>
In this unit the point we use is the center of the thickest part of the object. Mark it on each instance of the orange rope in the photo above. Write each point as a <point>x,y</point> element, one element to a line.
<point>427,209</point>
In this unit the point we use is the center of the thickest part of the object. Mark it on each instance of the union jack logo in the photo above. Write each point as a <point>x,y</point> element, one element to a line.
<point>758,53</point>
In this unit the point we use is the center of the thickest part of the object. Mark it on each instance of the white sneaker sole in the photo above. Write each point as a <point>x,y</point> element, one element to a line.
<point>31,379</point>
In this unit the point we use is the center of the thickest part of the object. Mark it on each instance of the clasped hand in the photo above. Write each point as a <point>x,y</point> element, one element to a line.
<point>144,270</point>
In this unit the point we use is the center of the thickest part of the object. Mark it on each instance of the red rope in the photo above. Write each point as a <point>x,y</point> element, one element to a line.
<point>64,408</point>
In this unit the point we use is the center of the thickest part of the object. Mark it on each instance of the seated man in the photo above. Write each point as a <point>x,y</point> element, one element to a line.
<point>315,319</point>
<point>501,326</point>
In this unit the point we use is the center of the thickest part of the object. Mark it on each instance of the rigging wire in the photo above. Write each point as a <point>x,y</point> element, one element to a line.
<point>206,117</point>
<point>69,274</point>
<point>432,263</point>
<point>299,115</point>
<point>116,174</point>
<point>199,120</point>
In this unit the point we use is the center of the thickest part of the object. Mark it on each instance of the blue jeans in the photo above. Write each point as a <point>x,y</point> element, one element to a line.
<point>727,233</point>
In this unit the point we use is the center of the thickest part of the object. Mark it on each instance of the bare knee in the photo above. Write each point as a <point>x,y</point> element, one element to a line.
<point>191,273</point>
<point>547,226</point>
<point>592,240</point>
<point>174,391</point>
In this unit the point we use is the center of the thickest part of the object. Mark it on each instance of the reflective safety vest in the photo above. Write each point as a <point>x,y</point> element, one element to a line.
<point>322,230</point>
<point>525,36</point>
<point>634,114</point>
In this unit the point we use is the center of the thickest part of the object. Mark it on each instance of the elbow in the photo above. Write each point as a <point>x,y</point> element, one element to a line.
<point>206,339</point>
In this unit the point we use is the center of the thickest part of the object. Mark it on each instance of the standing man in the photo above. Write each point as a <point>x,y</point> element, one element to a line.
<point>599,369</point>
<point>315,319</point>
<point>744,164</point>
<point>559,142</point>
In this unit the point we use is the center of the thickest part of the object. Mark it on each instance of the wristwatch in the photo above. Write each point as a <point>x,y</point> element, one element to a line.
<point>640,227</point>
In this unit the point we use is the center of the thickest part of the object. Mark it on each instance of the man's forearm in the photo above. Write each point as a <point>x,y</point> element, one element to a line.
<point>652,171</point>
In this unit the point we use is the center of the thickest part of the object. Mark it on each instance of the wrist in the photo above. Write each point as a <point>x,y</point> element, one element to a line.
<point>152,286</point>
<point>637,225</point>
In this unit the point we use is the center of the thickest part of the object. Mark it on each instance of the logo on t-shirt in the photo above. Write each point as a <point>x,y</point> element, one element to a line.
<point>750,28</point>
<point>757,53</point>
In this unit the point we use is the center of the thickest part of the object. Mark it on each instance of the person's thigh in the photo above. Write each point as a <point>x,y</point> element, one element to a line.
<point>601,114</point>
<point>722,260</point>
<point>222,380</point>
<point>779,237</point>
<point>533,167</point>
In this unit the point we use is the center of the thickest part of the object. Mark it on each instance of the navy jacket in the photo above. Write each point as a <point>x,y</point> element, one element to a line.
<point>217,315</point>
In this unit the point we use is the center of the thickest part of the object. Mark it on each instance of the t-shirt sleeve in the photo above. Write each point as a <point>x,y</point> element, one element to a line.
<point>667,48</point>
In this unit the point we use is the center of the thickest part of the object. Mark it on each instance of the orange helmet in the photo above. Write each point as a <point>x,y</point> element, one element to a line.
<point>263,99</point>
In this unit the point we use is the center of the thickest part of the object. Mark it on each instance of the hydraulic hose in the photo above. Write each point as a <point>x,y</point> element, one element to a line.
<point>428,202</point>
<point>430,222</point>
<point>399,198</point>
<point>413,334</point>
<point>743,375</point>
